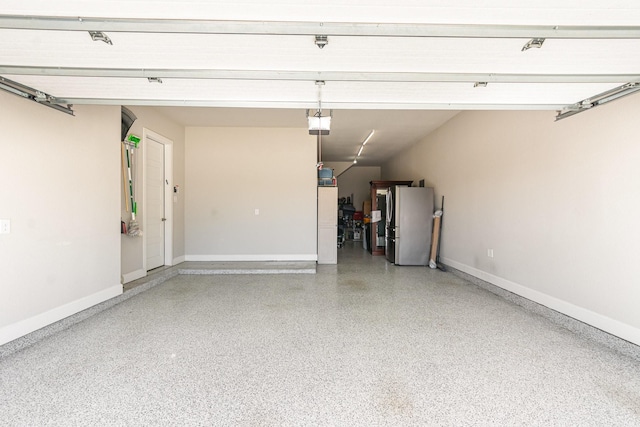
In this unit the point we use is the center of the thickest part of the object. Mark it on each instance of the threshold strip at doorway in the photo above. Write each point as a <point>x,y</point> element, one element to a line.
<point>222,267</point>
<point>248,267</point>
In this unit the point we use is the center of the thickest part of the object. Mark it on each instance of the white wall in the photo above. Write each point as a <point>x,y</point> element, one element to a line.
<point>132,247</point>
<point>60,190</point>
<point>355,183</point>
<point>337,167</point>
<point>557,202</point>
<point>230,172</point>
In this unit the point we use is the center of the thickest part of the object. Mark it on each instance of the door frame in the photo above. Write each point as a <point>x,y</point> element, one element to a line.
<point>168,205</point>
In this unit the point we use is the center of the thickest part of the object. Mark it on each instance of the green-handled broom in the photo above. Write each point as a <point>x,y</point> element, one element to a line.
<point>131,143</point>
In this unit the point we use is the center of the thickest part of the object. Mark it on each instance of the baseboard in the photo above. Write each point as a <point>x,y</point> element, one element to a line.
<point>604,323</point>
<point>134,275</point>
<point>26,326</point>
<point>270,257</point>
<point>178,260</point>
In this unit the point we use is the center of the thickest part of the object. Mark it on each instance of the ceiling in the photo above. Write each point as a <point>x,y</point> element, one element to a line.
<point>402,68</point>
<point>395,129</point>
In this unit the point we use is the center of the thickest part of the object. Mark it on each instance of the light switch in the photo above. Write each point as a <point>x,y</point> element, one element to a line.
<point>5,226</point>
<point>257,211</point>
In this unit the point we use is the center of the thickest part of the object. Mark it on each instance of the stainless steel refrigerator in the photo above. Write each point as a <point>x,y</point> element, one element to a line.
<point>409,224</point>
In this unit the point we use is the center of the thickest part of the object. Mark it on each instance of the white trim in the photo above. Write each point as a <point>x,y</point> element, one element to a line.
<point>607,324</point>
<point>278,257</point>
<point>302,75</point>
<point>168,202</point>
<point>168,205</point>
<point>178,260</point>
<point>336,105</point>
<point>26,326</point>
<point>134,275</point>
<point>310,28</point>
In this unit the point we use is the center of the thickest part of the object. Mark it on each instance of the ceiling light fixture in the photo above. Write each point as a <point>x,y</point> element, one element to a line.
<point>154,79</point>
<point>319,124</point>
<point>601,98</point>
<point>100,36</point>
<point>321,41</point>
<point>355,160</point>
<point>535,42</point>
<point>33,95</point>
<point>368,137</point>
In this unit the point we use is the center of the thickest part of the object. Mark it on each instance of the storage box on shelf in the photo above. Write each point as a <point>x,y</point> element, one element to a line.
<point>366,207</point>
<point>325,173</point>
<point>325,178</point>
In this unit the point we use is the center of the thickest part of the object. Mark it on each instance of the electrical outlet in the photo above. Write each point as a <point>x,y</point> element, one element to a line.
<point>257,211</point>
<point>5,226</point>
<point>490,253</point>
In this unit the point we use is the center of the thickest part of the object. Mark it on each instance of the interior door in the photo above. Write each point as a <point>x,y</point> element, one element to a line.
<point>154,189</point>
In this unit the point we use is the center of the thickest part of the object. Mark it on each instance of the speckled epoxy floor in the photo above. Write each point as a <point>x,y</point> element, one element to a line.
<point>363,343</point>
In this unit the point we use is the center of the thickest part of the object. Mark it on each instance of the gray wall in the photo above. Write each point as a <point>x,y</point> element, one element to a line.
<point>557,202</point>
<point>61,191</point>
<point>231,172</point>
